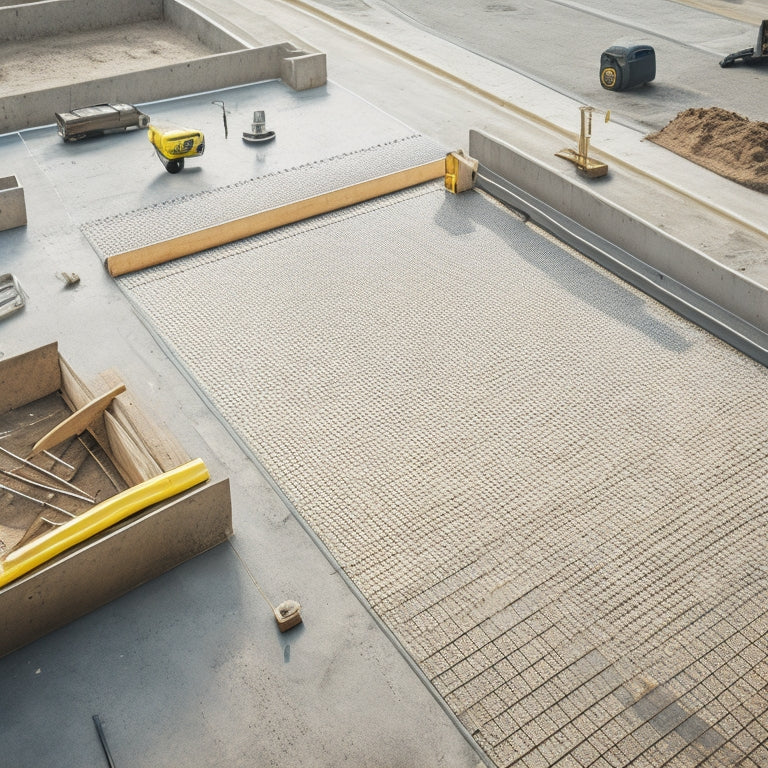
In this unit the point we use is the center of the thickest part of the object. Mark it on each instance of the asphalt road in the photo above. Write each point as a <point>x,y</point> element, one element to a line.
<point>559,42</point>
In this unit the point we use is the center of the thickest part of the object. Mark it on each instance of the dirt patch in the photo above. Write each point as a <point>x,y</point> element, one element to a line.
<point>46,62</point>
<point>724,142</point>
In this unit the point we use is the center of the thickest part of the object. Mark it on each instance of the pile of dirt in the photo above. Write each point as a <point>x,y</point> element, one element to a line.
<point>724,142</point>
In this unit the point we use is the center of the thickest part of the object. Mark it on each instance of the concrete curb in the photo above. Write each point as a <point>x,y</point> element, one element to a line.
<point>723,301</point>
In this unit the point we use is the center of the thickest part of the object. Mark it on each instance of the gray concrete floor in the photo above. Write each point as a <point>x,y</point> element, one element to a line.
<point>191,669</point>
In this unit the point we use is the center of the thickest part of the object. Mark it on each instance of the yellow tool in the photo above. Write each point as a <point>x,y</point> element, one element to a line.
<point>580,157</point>
<point>460,171</point>
<point>173,145</point>
<point>100,517</point>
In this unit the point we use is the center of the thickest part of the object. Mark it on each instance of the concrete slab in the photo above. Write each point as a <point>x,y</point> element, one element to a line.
<point>192,667</point>
<point>516,458</point>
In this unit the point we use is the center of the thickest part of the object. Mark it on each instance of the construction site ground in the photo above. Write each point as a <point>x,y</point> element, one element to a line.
<point>519,502</point>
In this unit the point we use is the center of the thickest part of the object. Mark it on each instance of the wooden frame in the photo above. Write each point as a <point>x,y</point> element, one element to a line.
<point>130,553</point>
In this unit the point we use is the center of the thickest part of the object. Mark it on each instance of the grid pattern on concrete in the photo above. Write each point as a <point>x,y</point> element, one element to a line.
<point>551,488</point>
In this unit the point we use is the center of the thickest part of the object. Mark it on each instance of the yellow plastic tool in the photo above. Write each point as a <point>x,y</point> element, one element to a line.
<point>100,517</point>
<point>173,145</point>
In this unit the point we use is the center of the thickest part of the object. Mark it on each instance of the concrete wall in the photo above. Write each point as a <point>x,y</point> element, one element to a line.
<point>232,64</point>
<point>35,108</point>
<point>13,209</point>
<point>192,24</point>
<point>666,256</point>
<point>52,17</point>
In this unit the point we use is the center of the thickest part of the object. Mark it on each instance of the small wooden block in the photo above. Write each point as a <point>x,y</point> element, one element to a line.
<point>288,615</point>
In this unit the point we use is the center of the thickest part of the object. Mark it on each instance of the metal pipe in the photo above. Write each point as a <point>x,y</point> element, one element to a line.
<point>58,460</point>
<point>109,475</point>
<point>103,740</point>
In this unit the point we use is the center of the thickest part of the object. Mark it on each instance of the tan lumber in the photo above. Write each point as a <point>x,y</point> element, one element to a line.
<point>29,377</point>
<point>131,459</point>
<point>76,394</point>
<point>160,444</point>
<point>263,221</point>
<point>74,390</point>
<point>78,422</point>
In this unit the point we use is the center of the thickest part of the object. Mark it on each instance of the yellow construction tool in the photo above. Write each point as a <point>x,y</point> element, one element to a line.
<point>174,144</point>
<point>580,157</point>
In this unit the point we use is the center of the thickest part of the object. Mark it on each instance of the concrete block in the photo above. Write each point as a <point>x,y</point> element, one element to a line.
<point>301,70</point>
<point>13,209</point>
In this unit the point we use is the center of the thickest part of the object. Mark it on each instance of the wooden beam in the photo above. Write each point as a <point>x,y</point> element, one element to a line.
<point>263,221</point>
<point>78,422</point>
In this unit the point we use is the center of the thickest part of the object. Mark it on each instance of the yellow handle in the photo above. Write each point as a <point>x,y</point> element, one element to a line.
<point>100,517</point>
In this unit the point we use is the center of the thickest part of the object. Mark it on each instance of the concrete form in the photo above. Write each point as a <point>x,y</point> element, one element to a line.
<point>232,62</point>
<point>126,555</point>
<point>13,210</point>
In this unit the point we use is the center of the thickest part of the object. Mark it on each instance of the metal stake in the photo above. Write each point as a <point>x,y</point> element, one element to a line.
<point>58,460</point>
<point>46,487</point>
<point>223,115</point>
<point>37,501</point>
<point>103,740</point>
<point>47,473</point>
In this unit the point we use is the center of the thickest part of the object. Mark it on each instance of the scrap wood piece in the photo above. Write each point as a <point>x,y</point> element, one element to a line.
<point>159,443</point>
<point>263,221</point>
<point>78,422</point>
<point>77,393</point>
<point>73,388</point>
<point>131,459</point>
<point>29,376</point>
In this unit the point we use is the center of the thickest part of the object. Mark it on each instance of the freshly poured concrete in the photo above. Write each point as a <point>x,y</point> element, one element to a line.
<point>515,458</point>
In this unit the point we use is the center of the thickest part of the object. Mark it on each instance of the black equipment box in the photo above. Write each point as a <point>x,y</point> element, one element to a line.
<point>623,67</point>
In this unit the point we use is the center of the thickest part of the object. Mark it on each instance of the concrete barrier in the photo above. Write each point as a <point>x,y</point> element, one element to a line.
<point>13,209</point>
<point>686,279</point>
<point>250,65</point>
<point>56,17</point>
<point>192,24</point>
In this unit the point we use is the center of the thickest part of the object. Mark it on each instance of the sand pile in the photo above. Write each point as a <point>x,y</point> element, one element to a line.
<point>724,142</point>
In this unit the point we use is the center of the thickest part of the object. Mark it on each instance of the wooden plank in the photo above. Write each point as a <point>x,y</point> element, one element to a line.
<point>159,443</point>
<point>78,422</point>
<point>131,458</point>
<point>77,393</point>
<point>74,390</point>
<point>246,226</point>
<point>29,376</point>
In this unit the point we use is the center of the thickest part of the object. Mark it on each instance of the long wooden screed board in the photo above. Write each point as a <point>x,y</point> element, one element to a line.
<point>263,221</point>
